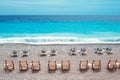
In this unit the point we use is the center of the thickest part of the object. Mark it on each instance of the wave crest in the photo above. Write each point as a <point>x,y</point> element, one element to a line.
<point>61,40</point>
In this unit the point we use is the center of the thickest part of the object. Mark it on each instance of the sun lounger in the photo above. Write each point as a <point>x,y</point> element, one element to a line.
<point>35,66</point>
<point>65,66</point>
<point>52,66</point>
<point>25,53</point>
<point>43,53</point>
<point>112,66</point>
<point>53,52</point>
<point>23,65</point>
<point>9,65</point>
<point>96,65</point>
<point>83,51</point>
<point>73,51</point>
<point>96,49</point>
<point>100,51</point>
<point>83,66</point>
<point>108,51</point>
<point>14,54</point>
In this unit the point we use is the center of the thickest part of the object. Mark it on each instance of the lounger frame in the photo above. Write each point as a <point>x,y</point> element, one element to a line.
<point>63,69</point>
<point>53,53</point>
<point>114,68</point>
<point>86,66</point>
<point>50,69</point>
<point>99,65</point>
<point>7,65</point>
<point>21,68</point>
<point>43,53</point>
<point>38,64</point>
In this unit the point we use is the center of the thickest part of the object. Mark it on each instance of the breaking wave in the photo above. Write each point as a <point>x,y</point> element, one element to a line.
<point>58,40</point>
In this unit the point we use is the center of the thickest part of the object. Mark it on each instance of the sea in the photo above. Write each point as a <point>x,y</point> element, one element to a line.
<point>59,29</point>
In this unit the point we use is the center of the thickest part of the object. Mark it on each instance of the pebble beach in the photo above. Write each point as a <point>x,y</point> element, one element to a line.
<point>62,54</point>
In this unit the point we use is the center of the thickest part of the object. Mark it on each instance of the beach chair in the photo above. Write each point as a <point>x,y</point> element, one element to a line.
<point>96,65</point>
<point>108,51</point>
<point>52,66</point>
<point>53,53</point>
<point>9,65</point>
<point>14,54</point>
<point>73,51</point>
<point>23,65</point>
<point>43,53</point>
<point>83,51</point>
<point>65,65</point>
<point>83,66</point>
<point>96,50</point>
<point>35,66</point>
<point>25,53</point>
<point>112,66</point>
<point>100,51</point>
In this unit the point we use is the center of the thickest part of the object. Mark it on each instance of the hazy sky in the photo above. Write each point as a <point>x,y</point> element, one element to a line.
<point>60,7</point>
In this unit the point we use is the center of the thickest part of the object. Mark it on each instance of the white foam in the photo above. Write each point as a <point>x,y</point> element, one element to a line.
<point>57,39</point>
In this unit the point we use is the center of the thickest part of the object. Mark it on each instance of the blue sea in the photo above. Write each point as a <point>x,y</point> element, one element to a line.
<point>59,29</point>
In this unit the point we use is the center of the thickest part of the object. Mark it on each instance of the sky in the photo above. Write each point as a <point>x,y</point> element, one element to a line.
<point>59,7</point>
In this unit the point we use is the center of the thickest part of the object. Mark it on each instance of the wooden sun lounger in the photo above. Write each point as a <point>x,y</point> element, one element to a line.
<point>53,53</point>
<point>35,66</point>
<point>96,65</point>
<point>14,54</point>
<point>9,65</point>
<point>83,66</point>
<point>112,66</point>
<point>23,65</point>
<point>65,65</point>
<point>43,53</point>
<point>52,66</point>
<point>25,53</point>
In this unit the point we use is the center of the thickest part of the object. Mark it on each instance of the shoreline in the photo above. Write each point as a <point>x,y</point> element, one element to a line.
<point>65,43</point>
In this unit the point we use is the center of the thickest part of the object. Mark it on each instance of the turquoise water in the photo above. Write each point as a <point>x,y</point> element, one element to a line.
<point>45,29</point>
